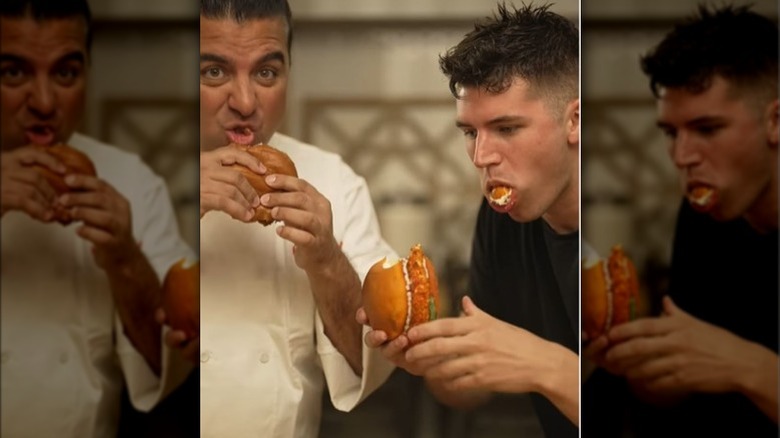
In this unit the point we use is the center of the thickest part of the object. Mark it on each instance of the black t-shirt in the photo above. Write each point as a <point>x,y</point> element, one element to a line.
<point>724,273</point>
<point>527,275</point>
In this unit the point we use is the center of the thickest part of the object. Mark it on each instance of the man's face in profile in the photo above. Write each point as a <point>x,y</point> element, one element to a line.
<point>720,138</point>
<point>517,140</point>
<point>243,80</point>
<point>43,76</point>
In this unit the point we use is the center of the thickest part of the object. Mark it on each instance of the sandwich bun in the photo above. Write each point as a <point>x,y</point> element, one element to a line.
<point>400,294</point>
<point>610,292</point>
<point>181,297</point>
<point>276,161</point>
<point>76,162</point>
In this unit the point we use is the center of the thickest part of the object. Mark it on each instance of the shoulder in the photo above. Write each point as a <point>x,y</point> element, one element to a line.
<point>110,161</point>
<point>319,167</point>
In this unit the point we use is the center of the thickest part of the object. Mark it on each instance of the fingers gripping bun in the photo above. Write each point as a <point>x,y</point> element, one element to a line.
<point>610,290</point>
<point>181,297</point>
<point>399,295</point>
<point>276,161</point>
<point>76,162</point>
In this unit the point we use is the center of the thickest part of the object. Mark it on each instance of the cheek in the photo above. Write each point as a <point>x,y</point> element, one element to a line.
<point>12,100</point>
<point>73,104</point>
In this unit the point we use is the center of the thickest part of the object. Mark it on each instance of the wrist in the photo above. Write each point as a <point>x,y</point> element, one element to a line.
<point>558,368</point>
<point>758,371</point>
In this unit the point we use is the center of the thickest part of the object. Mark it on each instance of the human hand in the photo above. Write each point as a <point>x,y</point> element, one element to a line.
<point>677,353</point>
<point>225,189</point>
<point>106,219</point>
<point>307,218</point>
<point>177,339</point>
<point>23,188</point>
<point>479,352</point>
<point>394,350</point>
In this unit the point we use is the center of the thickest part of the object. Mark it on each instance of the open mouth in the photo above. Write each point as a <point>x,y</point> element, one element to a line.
<point>702,197</point>
<point>501,198</point>
<point>40,135</point>
<point>242,136</point>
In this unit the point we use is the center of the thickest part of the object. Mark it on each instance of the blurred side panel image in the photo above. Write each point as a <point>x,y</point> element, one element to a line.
<point>99,261</point>
<point>680,218</point>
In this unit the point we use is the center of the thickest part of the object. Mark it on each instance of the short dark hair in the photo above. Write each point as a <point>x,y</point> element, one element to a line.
<point>243,10</point>
<point>531,43</point>
<point>732,42</point>
<point>41,10</point>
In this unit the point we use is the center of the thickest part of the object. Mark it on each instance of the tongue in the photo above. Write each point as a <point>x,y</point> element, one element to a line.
<point>42,136</point>
<point>243,137</point>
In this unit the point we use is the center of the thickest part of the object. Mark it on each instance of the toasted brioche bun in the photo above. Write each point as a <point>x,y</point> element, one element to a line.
<point>610,292</point>
<point>396,301</point>
<point>76,162</point>
<point>277,162</point>
<point>181,297</point>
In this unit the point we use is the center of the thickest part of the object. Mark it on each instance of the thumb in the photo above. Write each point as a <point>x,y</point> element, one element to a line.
<point>670,308</point>
<point>469,308</point>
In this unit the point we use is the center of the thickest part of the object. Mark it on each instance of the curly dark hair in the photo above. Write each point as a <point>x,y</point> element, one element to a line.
<point>531,43</point>
<point>732,42</point>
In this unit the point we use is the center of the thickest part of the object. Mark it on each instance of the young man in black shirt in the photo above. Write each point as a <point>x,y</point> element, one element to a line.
<point>515,80</point>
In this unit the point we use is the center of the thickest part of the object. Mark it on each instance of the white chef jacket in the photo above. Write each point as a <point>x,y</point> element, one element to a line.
<point>64,356</point>
<point>264,354</point>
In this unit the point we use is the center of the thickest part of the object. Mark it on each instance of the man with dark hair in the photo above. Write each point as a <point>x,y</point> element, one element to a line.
<point>78,300</point>
<point>515,80</point>
<point>708,366</point>
<point>277,302</point>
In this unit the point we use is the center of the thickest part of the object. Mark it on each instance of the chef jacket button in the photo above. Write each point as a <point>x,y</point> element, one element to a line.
<point>5,357</point>
<point>205,356</point>
<point>264,358</point>
<point>64,357</point>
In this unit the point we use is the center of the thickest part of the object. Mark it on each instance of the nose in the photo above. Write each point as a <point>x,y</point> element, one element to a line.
<point>41,101</point>
<point>685,151</point>
<point>243,99</point>
<point>485,152</point>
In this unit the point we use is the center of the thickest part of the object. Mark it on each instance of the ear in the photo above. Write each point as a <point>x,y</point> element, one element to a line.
<point>773,123</point>
<point>573,122</point>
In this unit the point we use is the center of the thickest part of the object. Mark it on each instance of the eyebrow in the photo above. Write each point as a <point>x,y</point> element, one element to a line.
<point>70,56</point>
<point>497,121</point>
<point>697,121</point>
<point>268,57</point>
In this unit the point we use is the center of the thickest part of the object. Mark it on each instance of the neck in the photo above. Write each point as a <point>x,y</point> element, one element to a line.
<point>763,216</point>
<point>564,216</point>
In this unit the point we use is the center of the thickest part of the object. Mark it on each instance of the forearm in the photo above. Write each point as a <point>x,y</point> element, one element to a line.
<point>463,400</point>
<point>760,383</point>
<point>559,381</point>
<point>137,294</point>
<point>336,293</point>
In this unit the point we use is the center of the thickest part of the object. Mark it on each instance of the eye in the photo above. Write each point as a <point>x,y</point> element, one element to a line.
<point>708,130</point>
<point>669,133</point>
<point>267,75</point>
<point>67,75</point>
<point>212,73</point>
<point>11,75</point>
<point>507,130</point>
<point>470,133</point>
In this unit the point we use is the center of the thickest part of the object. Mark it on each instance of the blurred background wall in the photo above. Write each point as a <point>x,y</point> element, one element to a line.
<point>630,190</point>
